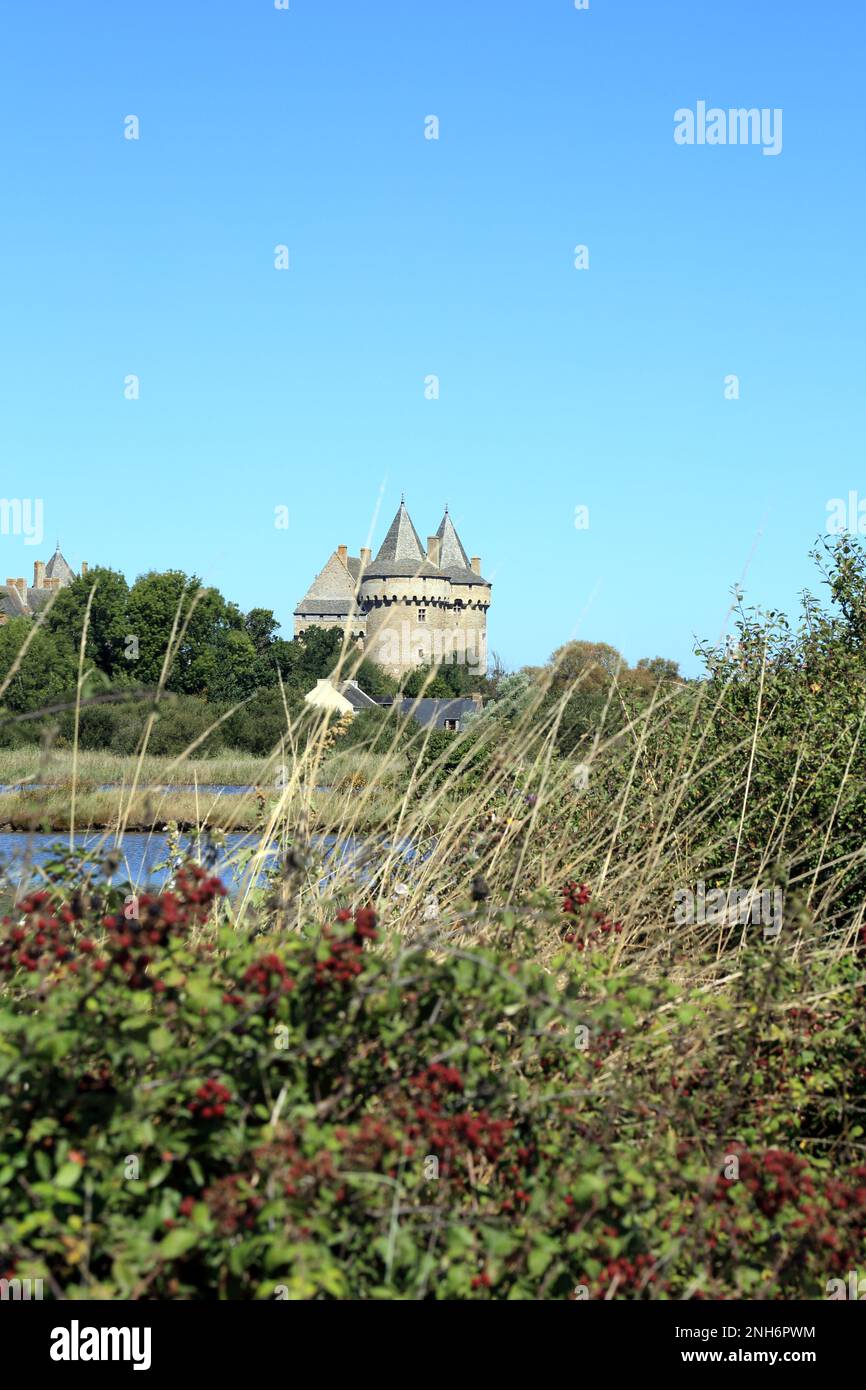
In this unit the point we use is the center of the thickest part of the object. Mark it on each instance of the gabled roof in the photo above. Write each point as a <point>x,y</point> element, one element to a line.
<point>10,602</point>
<point>358,698</point>
<point>332,590</point>
<point>57,568</point>
<point>433,713</point>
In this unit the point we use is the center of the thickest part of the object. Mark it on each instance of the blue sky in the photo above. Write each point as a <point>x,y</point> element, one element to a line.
<point>409,257</point>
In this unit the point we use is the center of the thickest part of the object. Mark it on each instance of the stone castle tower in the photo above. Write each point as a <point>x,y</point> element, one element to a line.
<point>408,606</point>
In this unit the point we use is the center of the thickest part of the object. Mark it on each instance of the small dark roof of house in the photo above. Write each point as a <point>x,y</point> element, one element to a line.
<point>358,698</point>
<point>353,565</point>
<point>432,713</point>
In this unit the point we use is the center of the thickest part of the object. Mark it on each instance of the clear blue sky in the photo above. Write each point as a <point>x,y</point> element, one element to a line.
<point>559,387</point>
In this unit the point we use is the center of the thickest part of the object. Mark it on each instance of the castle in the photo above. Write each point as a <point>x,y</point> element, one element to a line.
<point>407,606</point>
<point>20,600</point>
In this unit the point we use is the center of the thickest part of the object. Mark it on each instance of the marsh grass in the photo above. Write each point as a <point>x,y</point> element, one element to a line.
<point>667,802</point>
<point>35,765</point>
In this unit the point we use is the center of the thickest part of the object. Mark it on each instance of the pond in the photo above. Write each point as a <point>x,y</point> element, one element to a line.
<point>141,854</point>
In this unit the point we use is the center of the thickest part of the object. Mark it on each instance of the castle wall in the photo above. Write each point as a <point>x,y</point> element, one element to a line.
<point>400,643</point>
<point>396,639</point>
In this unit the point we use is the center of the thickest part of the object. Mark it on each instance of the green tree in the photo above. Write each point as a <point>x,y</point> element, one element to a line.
<point>108,625</point>
<point>260,625</point>
<point>47,673</point>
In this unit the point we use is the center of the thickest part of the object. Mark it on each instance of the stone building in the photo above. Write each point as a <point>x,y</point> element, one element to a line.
<point>408,605</point>
<point>20,600</point>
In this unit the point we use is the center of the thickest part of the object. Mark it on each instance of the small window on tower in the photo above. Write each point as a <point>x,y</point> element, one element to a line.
<point>422,615</point>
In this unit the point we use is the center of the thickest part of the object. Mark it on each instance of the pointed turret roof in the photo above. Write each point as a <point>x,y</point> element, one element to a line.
<point>453,559</point>
<point>402,541</point>
<point>401,553</point>
<point>451,552</point>
<point>57,568</point>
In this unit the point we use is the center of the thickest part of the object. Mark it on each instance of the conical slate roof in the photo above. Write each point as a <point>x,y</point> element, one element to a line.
<point>453,559</point>
<point>451,552</point>
<point>401,552</point>
<point>402,541</point>
<point>57,568</point>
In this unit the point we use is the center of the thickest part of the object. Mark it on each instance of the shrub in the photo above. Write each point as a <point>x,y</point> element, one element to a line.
<point>193,1110</point>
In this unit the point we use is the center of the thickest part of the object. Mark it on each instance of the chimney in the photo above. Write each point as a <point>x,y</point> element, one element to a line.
<point>52,583</point>
<point>475,564</point>
<point>366,555</point>
<point>39,574</point>
<point>83,568</point>
<point>433,550</point>
<point>343,551</point>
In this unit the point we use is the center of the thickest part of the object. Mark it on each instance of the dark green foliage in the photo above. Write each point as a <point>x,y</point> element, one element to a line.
<point>220,658</point>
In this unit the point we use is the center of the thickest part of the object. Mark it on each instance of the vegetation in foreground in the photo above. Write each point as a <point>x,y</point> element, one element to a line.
<point>565,1047</point>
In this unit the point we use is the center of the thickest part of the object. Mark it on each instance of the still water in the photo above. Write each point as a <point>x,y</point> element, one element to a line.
<point>142,853</point>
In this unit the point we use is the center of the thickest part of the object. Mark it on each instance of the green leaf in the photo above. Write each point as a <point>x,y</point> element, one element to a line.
<point>160,1039</point>
<point>67,1175</point>
<point>177,1243</point>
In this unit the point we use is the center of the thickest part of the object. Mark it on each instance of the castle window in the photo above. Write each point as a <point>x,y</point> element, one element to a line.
<point>422,615</point>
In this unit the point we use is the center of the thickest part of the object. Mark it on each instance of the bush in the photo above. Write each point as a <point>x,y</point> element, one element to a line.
<point>208,1112</point>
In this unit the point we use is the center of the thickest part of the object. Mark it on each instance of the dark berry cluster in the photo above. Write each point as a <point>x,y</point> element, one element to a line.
<point>209,1101</point>
<point>624,1276</point>
<point>267,977</point>
<point>232,1204</point>
<point>430,1124</point>
<point>585,926</point>
<point>39,941</point>
<point>344,961</point>
<point>48,938</point>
